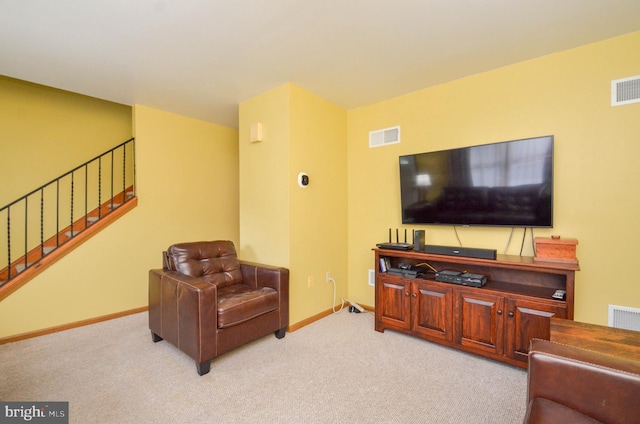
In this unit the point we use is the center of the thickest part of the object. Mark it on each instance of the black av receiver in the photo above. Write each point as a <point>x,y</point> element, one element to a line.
<point>465,279</point>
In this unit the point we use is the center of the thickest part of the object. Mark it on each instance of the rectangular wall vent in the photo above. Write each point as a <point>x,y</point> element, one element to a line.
<point>624,317</point>
<point>384,137</point>
<point>372,278</point>
<point>625,91</point>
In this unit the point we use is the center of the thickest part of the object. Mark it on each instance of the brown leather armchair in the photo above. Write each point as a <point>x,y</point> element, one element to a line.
<point>568,384</point>
<point>206,302</point>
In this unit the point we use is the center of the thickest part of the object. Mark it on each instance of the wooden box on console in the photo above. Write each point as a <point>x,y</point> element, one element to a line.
<point>556,249</point>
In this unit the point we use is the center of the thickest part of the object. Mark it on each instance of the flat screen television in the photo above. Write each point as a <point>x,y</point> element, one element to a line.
<point>500,184</point>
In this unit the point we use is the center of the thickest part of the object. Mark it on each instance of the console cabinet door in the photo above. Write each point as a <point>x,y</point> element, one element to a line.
<point>479,321</point>
<point>394,300</point>
<point>526,320</point>
<point>432,308</point>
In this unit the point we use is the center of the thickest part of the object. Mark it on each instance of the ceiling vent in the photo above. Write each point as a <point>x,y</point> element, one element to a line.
<point>625,91</point>
<point>384,137</point>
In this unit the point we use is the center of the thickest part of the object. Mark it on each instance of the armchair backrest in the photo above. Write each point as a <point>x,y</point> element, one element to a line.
<point>214,261</point>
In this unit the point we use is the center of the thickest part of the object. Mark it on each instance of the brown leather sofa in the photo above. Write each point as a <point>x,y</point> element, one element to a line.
<point>568,384</point>
<point>206,302</point>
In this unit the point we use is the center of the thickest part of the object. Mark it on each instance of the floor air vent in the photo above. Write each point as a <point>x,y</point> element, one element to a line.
<point>384,137</point>
<point>625,91</point>
<point>624,317</point>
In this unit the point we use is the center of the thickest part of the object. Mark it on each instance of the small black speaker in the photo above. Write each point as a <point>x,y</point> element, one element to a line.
<point>418,240</point>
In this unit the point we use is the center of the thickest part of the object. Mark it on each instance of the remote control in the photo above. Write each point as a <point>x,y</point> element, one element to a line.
<point>559,294</point>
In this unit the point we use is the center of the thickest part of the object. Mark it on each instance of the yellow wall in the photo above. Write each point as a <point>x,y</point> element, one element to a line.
<point>567,94</point>
<point>187,186</point>
<point>304,229</point>
<point>264,172</point>
<point>318,212</point>
<point>187,174</point>
<point>46,132</point>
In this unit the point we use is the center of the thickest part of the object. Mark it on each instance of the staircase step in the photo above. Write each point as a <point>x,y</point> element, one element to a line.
<point>114,206</point>
<point>69,235</point>
<point>93,219</point>
<point>22,267</point>
<point>48,249</point>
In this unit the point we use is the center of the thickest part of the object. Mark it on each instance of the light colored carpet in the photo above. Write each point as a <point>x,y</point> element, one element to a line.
<point>335,370</point>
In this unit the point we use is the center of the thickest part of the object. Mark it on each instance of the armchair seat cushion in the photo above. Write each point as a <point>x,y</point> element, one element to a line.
<point>239,303</point>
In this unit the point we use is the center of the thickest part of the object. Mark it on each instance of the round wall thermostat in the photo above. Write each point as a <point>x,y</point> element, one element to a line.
<point>303,179</point>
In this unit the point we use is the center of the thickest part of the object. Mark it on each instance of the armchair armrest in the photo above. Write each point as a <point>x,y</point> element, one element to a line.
<point>277,278</point>
<point>566,381</point>
<point>260,275</point>
<point>182,310</point>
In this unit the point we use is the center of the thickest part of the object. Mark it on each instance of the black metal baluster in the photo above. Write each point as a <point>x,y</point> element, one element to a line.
<point>111,194</point>
<point>100,187</point>
<point>42,222</point>
<point>86,196</point>
<point>133,161</point>
<point>57,213</point>
<point>124,173</point>
<point>9,243</point>
<point>26,231</point>
<point>71,211</point>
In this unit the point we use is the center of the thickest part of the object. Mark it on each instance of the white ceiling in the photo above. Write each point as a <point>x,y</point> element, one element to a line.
<point>201,58</point>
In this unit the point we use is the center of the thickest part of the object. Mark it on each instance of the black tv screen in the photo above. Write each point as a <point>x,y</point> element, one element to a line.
<point>500,184</point>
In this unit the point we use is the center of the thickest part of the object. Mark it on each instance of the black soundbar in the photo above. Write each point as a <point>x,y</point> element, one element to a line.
<point>467,252</point>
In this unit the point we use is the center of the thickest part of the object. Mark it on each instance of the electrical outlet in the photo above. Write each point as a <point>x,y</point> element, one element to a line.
<point>329,277</point>
<point>310,281</point>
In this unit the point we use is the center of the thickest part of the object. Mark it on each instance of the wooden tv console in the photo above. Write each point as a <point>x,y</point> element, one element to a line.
<point>496,321</point>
